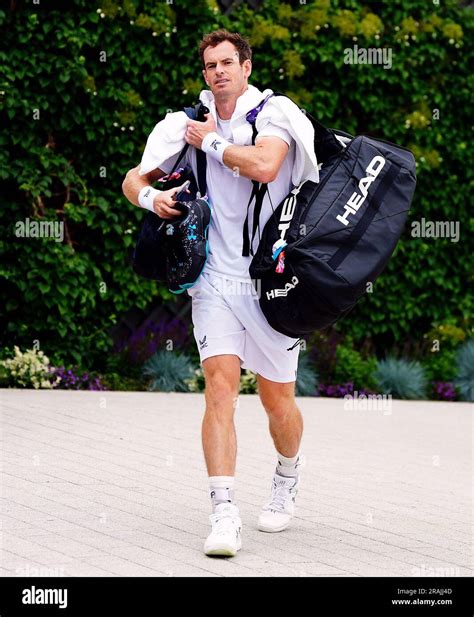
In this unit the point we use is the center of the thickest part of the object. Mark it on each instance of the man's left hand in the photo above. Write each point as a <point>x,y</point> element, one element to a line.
<point>196,131</point>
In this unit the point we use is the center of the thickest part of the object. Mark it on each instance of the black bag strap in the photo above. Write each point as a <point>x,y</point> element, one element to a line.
<point>195,113</point>
<point>256,212</point>
<point>326,145</point>
<point>258,191</point>
<point>181,154</point>
<point>201,161</point>
<point>367,217</point>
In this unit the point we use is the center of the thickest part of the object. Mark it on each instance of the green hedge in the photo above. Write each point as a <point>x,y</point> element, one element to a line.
<point>77,123</point>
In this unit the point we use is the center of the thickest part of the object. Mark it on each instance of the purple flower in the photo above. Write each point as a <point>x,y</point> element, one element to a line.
<point>444,391</point>
<point>336,390</point>
<point>70,381</point>
<point>151,336</point>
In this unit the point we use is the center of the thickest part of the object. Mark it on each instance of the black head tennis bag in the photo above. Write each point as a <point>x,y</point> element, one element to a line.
<point>325,242</point>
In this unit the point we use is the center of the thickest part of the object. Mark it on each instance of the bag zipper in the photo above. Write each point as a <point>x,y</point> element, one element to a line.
<point>384,141</point>
<point>389,143</point>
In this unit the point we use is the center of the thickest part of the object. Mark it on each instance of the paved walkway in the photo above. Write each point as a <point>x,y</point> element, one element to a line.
<point>114,484</point>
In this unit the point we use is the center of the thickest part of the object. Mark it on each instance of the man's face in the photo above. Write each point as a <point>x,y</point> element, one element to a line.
<point>224,74</point>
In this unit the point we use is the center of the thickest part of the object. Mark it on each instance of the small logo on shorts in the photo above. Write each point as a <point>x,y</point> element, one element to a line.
<point>203,343</point>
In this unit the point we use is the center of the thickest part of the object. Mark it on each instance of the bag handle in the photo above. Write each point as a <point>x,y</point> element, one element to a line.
<point>196,112</point>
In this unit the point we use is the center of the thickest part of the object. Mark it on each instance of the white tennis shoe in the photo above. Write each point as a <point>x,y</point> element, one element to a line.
<point>226,535</point>
<point>277,513</point>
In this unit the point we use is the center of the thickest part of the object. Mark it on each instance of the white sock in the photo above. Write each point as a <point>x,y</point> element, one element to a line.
<point>288,466</point>
<point>221,490</point>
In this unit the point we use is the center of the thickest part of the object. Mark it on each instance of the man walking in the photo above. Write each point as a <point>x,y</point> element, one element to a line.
<point>229,326</point>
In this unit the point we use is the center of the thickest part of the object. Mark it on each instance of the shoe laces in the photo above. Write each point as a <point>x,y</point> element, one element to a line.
<point>223,521</point>
<point>280,491</point>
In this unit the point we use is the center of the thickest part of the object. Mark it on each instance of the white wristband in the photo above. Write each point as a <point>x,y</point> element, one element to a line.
<point>146,197</point>
<point>214,145</point>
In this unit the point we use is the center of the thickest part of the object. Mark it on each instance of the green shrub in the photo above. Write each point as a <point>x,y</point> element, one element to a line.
<point>29,369</point>
<point>248,382</point>
<point>401,378</point>
<point>440,365</point>
<point>116,381</point>
<point>307,378</point>
<point>446,335</point>
<point>168,371</point>
<point>465,371</point>
<point>352,367</point>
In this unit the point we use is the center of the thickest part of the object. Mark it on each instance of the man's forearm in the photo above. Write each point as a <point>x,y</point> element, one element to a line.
<point>133,183</point>
<point>247,161</point>
<point>132,186</point>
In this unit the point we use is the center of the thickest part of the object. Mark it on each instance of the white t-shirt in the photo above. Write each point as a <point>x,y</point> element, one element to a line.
<point>229,195</point>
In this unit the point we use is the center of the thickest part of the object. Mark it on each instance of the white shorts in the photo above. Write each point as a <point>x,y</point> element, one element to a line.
<point>227,319</point>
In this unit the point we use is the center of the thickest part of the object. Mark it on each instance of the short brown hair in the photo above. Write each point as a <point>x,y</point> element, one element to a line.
<point>218,36</point>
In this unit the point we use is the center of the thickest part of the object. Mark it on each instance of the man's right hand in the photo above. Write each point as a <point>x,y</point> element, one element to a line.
<point>163,203</point>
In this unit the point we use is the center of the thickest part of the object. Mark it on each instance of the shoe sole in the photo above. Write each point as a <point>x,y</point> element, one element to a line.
<point>224,550</point>
<point>273,529</point>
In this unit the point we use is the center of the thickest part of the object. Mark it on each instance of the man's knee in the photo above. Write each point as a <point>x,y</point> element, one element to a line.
<point>278,400</point>
<point>222,381</point>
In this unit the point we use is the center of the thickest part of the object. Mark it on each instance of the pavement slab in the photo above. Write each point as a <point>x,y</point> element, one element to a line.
<point>115,484</point>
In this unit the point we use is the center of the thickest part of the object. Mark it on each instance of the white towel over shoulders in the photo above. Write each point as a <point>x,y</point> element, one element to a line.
<point>167,137</point>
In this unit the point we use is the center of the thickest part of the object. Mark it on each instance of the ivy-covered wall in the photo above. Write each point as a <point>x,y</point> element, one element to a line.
<point>83,84</point>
